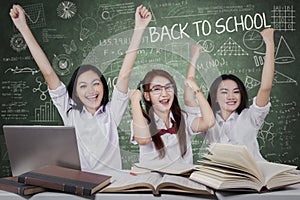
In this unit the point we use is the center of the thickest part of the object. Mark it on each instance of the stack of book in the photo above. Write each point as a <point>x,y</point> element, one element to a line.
<point>55,178</point>
<point>11,184</point>
<point>232,168</point>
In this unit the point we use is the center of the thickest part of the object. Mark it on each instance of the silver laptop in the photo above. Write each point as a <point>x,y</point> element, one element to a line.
<point>31,147</point>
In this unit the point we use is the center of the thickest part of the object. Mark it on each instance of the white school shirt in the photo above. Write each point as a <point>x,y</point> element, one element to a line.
<point>97,136</point>
<point>240,128</point>
<point>148,153</point>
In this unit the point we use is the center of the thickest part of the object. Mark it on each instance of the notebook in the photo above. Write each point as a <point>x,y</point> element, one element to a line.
<point>31,147</point>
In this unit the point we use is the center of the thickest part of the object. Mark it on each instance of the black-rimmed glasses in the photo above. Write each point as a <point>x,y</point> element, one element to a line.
<point>157,89</point>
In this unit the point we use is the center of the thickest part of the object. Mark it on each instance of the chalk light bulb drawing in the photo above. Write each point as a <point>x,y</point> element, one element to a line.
<point>88,27</point>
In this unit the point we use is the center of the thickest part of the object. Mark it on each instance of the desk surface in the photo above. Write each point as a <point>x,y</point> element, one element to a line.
<point>101,196</point>
<point>290,193</point>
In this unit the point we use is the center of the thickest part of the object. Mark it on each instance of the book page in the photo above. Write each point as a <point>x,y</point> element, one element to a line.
<point>182,184</point>
<point>270,169</point>
<point>283,179</point>
<point>221,182</point>
<point>228,173</point>
<point>126,182</point>
<point>235,155</point>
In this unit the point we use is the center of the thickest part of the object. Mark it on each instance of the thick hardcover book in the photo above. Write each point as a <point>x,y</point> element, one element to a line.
<point>232,167</point>
<point>65,180</point>
<point>11,184</point>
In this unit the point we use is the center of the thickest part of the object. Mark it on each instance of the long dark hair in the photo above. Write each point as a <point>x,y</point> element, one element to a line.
<point>73,82</point>
<point>179,122</point>
<point>212,96</point>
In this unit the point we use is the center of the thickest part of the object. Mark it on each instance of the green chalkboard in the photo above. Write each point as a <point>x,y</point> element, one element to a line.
<point>98,32</point>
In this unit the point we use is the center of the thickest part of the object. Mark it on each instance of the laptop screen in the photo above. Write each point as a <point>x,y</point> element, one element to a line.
<point>31,147</point>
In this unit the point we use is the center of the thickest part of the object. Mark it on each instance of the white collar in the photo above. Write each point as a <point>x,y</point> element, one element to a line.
<point>98,112</point>
<point>160,123</point>
<point>220,119</point>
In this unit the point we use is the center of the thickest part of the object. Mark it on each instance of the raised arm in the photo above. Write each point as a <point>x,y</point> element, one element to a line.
<point>188,94</point>
<point>207,118</point>
<point>142,19</point>
<point>17,14</point>
<point>194,97</point>
<point>267,76</point>
<point>141,131</point>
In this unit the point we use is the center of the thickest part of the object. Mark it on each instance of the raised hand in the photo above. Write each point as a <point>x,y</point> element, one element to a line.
<point>196,51</point>
<point>268,35</point>
<point>135,95</point>
<point>142,17</point>
<point>17,15</point>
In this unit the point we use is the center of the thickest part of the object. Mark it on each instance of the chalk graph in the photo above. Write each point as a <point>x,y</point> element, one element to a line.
<point>283,18</point>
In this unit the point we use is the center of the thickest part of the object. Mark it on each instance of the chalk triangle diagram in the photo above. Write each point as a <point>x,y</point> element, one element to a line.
<point>231,48</point>
<point>251,82</point>
<point>283,53</point>
<point>153,19</point>
<point>178,51</point>
<point>281,78</point>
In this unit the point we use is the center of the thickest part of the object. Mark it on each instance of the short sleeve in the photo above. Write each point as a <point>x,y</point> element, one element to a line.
<point>61,100</point>
<point>119,104</point>
<point>258,114</point>
<point>192,110</point>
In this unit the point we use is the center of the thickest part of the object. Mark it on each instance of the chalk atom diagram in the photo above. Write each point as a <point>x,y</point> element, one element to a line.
<point>62,64</point>
<point>18,43</point>
<point>231,48</point>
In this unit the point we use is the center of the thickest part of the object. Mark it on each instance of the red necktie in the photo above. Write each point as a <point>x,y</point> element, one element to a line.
<point>169,130</point>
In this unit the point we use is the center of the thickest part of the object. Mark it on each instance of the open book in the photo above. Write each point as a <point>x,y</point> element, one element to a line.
<point>232,167</point>
<point>155,183</point>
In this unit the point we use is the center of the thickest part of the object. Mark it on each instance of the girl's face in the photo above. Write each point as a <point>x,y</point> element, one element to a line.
<point>89,90</point>
<point>228,96</point>
<point>161,94</point>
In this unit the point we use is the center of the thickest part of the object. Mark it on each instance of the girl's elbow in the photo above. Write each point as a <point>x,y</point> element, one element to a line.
<point>142,141</point>
<point>211,122</point>
<point>206,124</point>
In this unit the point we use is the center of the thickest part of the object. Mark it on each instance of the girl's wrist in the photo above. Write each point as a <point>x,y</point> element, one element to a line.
<point>137,28</point>
<point>198,91</point>
<point>24,28</point>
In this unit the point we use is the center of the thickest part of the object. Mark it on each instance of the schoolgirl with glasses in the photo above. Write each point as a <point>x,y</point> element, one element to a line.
<point>161,128</point>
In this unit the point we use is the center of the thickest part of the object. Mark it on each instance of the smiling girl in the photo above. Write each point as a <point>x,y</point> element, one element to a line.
<point>235,123</point>
<point>84,103</point>
<point>162,130</point>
